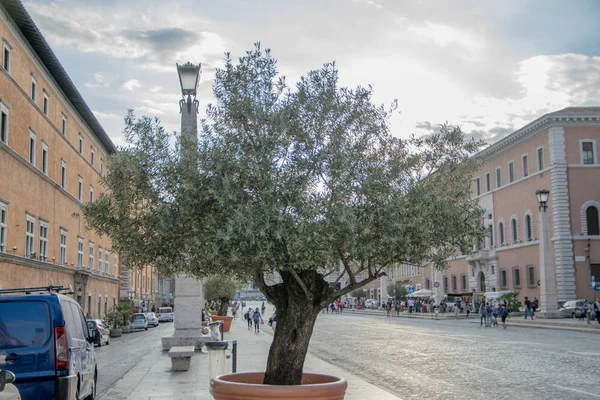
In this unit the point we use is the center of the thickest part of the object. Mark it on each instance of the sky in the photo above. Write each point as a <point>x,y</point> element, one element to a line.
<point>490,67</point>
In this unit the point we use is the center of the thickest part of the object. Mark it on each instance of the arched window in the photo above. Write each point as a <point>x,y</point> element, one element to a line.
<point>591,215</point>
<point>514,230</point>
<point>528,234</point>
<point>501,232</point>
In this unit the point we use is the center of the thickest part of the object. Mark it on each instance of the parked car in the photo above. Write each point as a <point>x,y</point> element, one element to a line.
<point>152,319</point>
<point>8,391</point>
<point>165,314</point>
<point>561,304</point>
<point>572,309</point>
<point>103,333</point>
<point>47,343</point>
<point>138,321</point>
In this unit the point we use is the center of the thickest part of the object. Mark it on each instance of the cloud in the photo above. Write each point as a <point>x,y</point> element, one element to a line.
<point>99,82</point>
<point>131,85</point>
<point>445,35</point>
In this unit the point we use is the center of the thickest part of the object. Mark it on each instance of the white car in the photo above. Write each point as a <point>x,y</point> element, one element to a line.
<point>152,319</point>
<point>8,391</point>
<point>165,314</point>
<point>138,321</point>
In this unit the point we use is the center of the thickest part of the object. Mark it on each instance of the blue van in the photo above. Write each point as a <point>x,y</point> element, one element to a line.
<point>45,342</point>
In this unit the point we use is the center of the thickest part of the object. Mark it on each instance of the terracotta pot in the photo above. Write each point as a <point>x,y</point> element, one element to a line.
<point>226,321</point>
<point>116,332</point>
<point>249,386</point>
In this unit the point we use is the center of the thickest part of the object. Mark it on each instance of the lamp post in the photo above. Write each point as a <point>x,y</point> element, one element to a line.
<point>548,296</point>
<point>188,298</point>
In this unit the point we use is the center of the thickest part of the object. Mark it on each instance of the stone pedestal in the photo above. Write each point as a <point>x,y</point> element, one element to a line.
<point>548,294</point>
<point>187,315</point>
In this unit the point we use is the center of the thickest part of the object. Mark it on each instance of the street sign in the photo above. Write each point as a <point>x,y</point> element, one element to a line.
<point>411,289</point>
<point>239,294</point>
<point>436,285</point>
<point>144,297</point>
<point>597,288</point>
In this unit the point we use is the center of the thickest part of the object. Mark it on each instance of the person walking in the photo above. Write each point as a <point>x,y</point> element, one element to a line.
<point>488,315</point>
<point>456,311</point>
<point>596,309</point>
<point>249,315</point>
<point>503,314</point>
<point>528,308</point>
<point>495,315</point>
<point>468,309</point>
<point>257,320</point>
<point>481,315</point>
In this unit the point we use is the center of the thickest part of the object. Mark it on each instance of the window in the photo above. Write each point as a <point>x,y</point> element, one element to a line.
<point>64,126</point>
<point>427,283</point>
<point>587,152</point>
<point>106,261</point>
<point>501,233</point>
<point>100,259</point>
<point>105,305</point>
<point>33,87</point>
<point>44,157</point>
<point>3,123</point>
<point>445,284</point>
<point>101,167</point>
<point>488,184</point>
<point>540,158</point>
<point>531,276</point>
<point>491,234</point>
<point>6,56</point>
<point>92,156</point>
<point>477,187</point>
<point>3,226</point>
<point>498,177</point>
<point>80,253</point>
<point>492,268</point>
<point>89,304</point>
<point>528,226</point>
<point>43,250</point>
<point>463,282</point>
<point>115,265</point>
<point>99,306</point>
<point>46,102</point>
<point>591,215</point>
<point>91,194</point>
<point>503,279</point>
<point>511,172</point>
<point>454,284</point>
<point>30,237</point>
<point>32,147</point>
<point>80,143</point>
<point>525,162</point>
<point>516,277</point>
<point>63,174</point>
<point>91,257</point>
<point>63,247</point>
<point>80,189</point>
<point>514,230</point>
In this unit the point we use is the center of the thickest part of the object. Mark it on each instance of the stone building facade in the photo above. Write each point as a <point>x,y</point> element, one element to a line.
<point>53,153</point>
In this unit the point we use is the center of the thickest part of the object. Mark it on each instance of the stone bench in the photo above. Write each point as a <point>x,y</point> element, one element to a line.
<point>181,357</point>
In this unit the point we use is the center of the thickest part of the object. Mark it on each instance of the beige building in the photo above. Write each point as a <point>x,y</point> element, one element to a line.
<point>52,155</point>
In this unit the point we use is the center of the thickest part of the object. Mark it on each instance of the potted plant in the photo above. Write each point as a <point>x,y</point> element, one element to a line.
<point>124,311</point>
<point>221,289</point>
<point>287,187</point>
<point>114,320</point>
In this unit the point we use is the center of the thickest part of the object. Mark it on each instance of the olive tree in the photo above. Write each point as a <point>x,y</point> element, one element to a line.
<point>295,182</point>
<point>220,288</point>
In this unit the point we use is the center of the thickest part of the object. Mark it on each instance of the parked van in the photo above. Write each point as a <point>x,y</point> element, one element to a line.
<point>45,342</point>
<point>165,314</point>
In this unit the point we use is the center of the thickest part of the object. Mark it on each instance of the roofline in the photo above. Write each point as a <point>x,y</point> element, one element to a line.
<point>16,10</point>
<point>535,126</point>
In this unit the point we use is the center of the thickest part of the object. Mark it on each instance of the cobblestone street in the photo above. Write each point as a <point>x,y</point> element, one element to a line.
<point>450,359</point>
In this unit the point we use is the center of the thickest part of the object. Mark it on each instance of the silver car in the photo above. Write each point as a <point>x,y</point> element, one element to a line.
<point>138,321</point>
<point>572,309</point>
<point>152,319</point>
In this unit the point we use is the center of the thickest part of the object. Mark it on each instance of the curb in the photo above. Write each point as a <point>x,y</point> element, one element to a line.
<point>556,327</point>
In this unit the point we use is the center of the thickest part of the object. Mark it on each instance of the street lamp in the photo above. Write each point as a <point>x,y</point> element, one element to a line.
<point>189,76</point>
<point>542,198</point>
<point>548,294</point>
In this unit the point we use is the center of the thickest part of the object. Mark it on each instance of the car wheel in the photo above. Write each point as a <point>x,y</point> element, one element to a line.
<point>93,395</point>
<point>107,342</point>
<point>572,315</point>
<point>100,343</point>
<point>146,328</point>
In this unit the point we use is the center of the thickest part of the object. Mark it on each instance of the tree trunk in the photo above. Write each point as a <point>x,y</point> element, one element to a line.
<point>290,344</point>
<point>223,309</point>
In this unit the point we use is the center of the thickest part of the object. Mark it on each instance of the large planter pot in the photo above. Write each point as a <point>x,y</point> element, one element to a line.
<point>249,386</point>
<point>226,321</point>
<point>116,332</point>
<point>126,329</point>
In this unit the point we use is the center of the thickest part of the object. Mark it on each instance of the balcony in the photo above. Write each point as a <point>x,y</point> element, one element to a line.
<point>482,255</point>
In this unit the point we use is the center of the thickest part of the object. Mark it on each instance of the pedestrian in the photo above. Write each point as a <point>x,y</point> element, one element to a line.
<point>249,316</point>
<point>503,314</point>
<point>468,309</point>
<point>456,311</point>
<point>332,306</point>
<point>495,315</point>
<point>481,315</point>
<point>488,315</point>
<point>528,308</point>
<point>234,310</point>
<point>273,322</point>
<point>596,309</point>
<point>257,320</point>
<point>397,308</point>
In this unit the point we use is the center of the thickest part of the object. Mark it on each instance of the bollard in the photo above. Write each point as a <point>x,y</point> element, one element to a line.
<point>217,358</point>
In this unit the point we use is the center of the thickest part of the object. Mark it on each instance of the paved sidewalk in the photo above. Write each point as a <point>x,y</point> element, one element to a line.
<point>152,378</point>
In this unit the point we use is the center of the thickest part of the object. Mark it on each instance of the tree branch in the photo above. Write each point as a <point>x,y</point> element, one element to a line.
<point>347,269</point>
<point>302,285</point>
<point>349,288</point>
<point>259,278</point>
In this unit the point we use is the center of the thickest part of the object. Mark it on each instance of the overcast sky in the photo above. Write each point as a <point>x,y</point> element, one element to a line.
<point>488,66</point>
